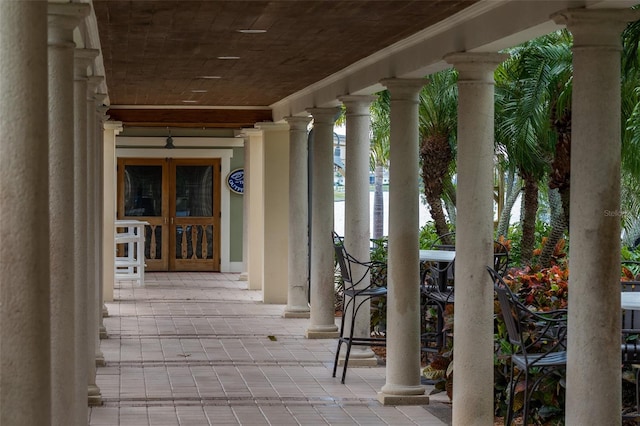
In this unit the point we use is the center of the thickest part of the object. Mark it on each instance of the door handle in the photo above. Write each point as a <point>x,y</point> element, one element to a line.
<point>165,221</point>
<point>172,221</point>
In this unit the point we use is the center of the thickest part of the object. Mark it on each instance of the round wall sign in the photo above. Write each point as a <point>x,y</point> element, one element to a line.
<point>235,181</point>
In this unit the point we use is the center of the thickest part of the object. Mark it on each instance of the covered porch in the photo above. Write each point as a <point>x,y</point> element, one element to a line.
<point>201,349</point>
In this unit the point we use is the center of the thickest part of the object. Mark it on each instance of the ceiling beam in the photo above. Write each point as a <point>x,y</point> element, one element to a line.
<point>196,118</point>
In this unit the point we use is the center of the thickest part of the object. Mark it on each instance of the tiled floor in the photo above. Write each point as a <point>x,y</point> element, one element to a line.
<point>200,349</point>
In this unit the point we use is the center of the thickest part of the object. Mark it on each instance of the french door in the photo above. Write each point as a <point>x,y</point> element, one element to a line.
<point>180,200</point>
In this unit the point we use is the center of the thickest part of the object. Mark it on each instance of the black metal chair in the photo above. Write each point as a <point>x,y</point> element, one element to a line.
<point>538,340</point>
<point>436,294</point>
<point>630,345</point>
<point>354,296</point>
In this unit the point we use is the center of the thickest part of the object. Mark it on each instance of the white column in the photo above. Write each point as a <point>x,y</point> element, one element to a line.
<point>594,340</point>
<point>244,275</point>
<point>275,193</point>
<point>93,278</point>
<point>357,223</point>
<point>24,229</point>
<point>297,303</point>
<point>101,111</point>
<point>322,314</point>
<point>473,327</point>
<point>253,196</point>
<point>83,59</point>
<point>62,19</point>
<point>403,274</point>
<point>111,130</point>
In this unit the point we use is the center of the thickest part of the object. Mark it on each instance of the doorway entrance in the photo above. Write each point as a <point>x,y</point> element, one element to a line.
<point>180,200</point>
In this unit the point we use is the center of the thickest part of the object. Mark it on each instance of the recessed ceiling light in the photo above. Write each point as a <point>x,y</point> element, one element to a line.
<point>189,102</point>
<point>209,77</point>
<point>225,58</point>
<point>198,91</point>
<point>247,31</point>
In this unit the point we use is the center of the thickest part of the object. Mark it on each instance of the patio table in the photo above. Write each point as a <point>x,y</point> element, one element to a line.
<point>443,257</point>
<point>630,300</point>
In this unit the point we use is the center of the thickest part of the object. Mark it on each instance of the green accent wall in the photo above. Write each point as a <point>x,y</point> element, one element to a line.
<point>236,211</point>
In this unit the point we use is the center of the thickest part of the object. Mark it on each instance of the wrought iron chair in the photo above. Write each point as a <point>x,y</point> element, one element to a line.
<point>436,294</point>
<point>538,340</point>
<point>630,345</point>
<point>354,296</point>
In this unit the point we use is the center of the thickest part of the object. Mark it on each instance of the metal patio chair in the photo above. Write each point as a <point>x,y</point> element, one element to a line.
<point>538,340</point>
<point>354,296</point>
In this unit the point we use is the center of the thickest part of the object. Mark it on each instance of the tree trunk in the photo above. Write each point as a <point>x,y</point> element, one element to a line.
<point>513,187</point>
<point>378,204</point>
<point>558,226</point>
<point>436,155</point>
<point>530,203</point>
<point>561,164</point>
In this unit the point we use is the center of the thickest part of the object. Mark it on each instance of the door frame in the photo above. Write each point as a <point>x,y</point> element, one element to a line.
<point>151,147</point>
<point>175,221</point>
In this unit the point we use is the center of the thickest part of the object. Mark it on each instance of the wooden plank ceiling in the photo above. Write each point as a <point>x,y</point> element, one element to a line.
<point>176,53</point>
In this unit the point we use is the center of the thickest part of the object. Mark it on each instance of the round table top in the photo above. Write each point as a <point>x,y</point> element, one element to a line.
<point>630,300</point>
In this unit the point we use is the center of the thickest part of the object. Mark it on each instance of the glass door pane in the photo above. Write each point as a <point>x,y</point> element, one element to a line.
<point>142,190</point>
<point>142,195</point>
<point>195,215</point>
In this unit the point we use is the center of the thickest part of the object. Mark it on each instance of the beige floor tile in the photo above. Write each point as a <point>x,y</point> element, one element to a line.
<point>194,349</point>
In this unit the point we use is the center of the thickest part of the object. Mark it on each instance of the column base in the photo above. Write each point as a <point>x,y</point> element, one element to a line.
<point>95,398</point>
<point>103,332</point>
<point>360,358</point>
<point>244,276</point>
<point>322,333</point>
<point>100,361</point>
<point>387,399</point>
<point>296,313</point>
<point>360,362</point>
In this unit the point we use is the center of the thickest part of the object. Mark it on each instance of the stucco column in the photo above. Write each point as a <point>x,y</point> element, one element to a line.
<point>473,326</point>
<point>111,130</point>
<point>93,278</point>
<point>322,313</point>
<point>102,117</point>
<point>244,275</point>
<point>357,212</point>
<point>83,59</point>
<point>253,197</point>
<point>403,274</point>
<point>24,229</point>
<point>593,360</point>
<point>62,20</point>
<point>275,193</point>
<point>297,305</point>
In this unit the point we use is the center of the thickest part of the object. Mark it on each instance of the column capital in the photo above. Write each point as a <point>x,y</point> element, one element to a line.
<point>404,88</point>
<point>268,126</point>
<point>116,126</point>
<point>324,115</point>
<point>92,84</point>
<point>83,58</point>
<point>62,19</point>
<point>100,98</point>
<point>101,110</point>
<point>357,104</point>
<point>596,27</point>
<point>478,66</point>
<point>298,123</point>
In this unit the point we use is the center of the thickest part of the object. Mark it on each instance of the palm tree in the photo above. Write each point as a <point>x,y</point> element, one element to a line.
<point>631,134</point>
<point>379,156</point>
<point>438,122</point>
<point>522,134</point>
<point>534,92</point>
